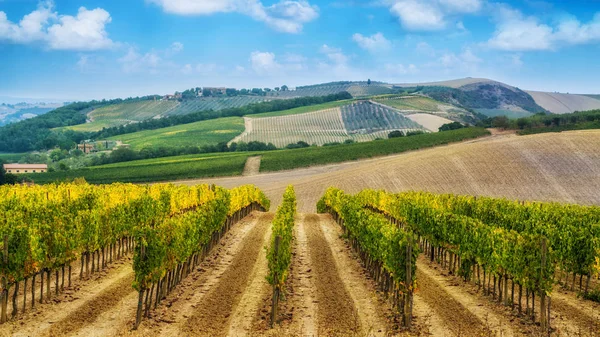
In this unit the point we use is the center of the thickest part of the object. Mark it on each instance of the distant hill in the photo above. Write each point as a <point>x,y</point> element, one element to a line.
<point>12,113</point>
<point>565,103</point>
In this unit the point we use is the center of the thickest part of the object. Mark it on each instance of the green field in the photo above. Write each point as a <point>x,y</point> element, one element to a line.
<point>153,170</point>
<point>232,164</point>
<point>304,109</point>
<point>210,132</point>
<point>11,157</point>
<point>411,103</point>
<point>124,113</point>
<point>291,159</point>
<point>507,113</point>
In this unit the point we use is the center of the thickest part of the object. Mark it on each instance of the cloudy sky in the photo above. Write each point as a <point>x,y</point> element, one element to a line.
<point>83,49</point>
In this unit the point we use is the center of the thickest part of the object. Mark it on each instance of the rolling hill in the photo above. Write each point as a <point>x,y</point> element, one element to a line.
<point>564,103</point>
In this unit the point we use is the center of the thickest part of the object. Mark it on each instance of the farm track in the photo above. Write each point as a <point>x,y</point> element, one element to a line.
<point>65,314</point>
<point>337,315</point>
<point>213,316</point>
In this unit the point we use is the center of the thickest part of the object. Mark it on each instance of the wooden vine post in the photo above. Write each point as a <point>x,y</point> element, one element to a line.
<point>4,297</point>
<point>275,300</point>
<point>544,314</point>
<point>138,316</point>
<point>408,282</point>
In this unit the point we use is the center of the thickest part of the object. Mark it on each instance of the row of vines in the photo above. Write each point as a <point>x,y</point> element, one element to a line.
<point>46,229</point>
<point>388,251</point>
<point>521,244</point>
<point>279,252</point>
<point>170,245</point>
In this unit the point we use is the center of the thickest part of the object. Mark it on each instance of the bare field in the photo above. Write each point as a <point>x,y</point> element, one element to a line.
<point>564,103</point>
<point>547,167</point>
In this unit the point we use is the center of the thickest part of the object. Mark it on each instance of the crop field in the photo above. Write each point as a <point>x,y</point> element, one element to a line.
<point>365,118</point>
<point>126,113</point>
<point>174,260</point>
<point>359,121</point>
<point>502,112</point>
<point>413,103</point>
<point>302,109</point>
<point>210,132</point>
<point>428,121</point>
<point>559,103</point>
<point>356,89</point>
<point>213,103</point>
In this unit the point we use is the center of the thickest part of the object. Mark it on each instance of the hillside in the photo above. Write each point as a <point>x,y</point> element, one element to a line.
<point>360,121</point>
<point>548,167</point>
<point>199,134</point>
<point>564,103</point>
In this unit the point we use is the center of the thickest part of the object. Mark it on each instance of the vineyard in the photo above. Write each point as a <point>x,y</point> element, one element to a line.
<point>132,112</point>
<point>361,121</point>
<point>356,89</point>
<point>119,259</point>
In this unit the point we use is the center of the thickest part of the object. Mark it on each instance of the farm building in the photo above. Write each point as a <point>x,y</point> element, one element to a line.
<point>86,148</point>
<point>25,168</point>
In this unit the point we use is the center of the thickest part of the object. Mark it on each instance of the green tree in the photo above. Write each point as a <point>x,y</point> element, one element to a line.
<point>395,134</point>
<point>369,81</point>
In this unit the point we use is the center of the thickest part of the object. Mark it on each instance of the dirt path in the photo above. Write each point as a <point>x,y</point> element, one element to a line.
<point>78,307</point>
<point>213,316</point>
<point>372,311</point>
<point>337,315</point>
<point>463,313</point>
<point>254,294</point>
<point>252,166</point>
<point>572,316</point>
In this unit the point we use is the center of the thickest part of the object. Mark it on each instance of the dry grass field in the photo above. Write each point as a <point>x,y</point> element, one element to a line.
<point>547,167</point>
<point>564,103</point>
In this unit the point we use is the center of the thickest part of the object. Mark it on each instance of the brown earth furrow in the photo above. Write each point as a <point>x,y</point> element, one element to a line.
<point>213,315</point>
<point>371,310</point>
<point>337,315</point>
<point>41,320</point>
<point>171,316</point>
<point>574,317</point>
<point>253,298</point>
<point>93,308</point>
<point>462,311</point>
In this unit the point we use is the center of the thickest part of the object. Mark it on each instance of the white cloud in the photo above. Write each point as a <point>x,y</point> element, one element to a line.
<point>400,69</point>
<point>425,48</point>
<point>415,15</point>
<point>374,43</point>
<point>86,31</point>
<point>44,26</point>
<point>264,62</point>
<point>516,32</point>
<point>153,61</point>
<point>287,16</point>
<point>465,61</point>
<point>462,6</point>
<point>334,54</point>
<point>430,15</point>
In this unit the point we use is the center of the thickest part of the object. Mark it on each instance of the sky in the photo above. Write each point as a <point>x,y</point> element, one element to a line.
<point>91,49</point>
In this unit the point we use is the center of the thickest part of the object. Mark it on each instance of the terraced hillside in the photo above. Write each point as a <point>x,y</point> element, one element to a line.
<point>360,121</point>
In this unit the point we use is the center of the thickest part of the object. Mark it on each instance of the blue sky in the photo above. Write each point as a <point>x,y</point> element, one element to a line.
<point>83,49</point>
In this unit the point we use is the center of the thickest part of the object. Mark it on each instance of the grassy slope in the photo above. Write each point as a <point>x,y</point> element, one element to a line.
<point>507,113</point>
<point>303,109</point>
<point>119,114</point>
<point>11,157</point>
<point>161,169</point>
<point>412,103</point>
<point>286,160</point>
<point>231,164</point>
<point>201,133</point>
